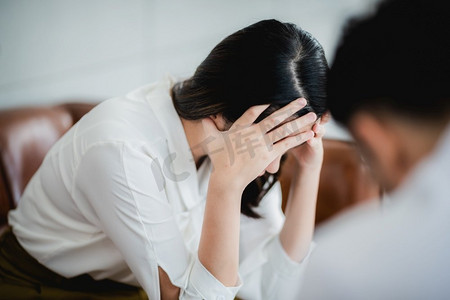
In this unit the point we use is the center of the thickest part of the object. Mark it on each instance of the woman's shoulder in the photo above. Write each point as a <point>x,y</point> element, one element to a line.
<point>142,120</point>
<point>130,118</point>
<point>120,119</point>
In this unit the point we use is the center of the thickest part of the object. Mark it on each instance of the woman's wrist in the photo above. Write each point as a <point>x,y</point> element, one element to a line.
<point>226,184</point>
<point>309,167</point>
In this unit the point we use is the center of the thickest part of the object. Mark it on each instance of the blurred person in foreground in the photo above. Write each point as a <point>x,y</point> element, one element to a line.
<point>389,85</point>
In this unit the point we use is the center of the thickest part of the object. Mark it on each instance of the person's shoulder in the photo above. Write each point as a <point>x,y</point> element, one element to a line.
<point>344,225</point>
<point>380,252</point>
<point>126,119</point>
<point>341,246</point>
<point>118,119</point>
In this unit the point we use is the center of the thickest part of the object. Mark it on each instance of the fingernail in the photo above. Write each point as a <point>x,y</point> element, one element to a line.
<point>312,117</point>
<point>302,101</point>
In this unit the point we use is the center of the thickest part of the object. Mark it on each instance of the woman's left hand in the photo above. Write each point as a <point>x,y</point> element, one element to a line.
<point>310,153</point>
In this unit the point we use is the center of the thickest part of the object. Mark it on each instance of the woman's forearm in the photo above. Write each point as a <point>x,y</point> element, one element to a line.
<point>219,243</point>
<point>297,232</point>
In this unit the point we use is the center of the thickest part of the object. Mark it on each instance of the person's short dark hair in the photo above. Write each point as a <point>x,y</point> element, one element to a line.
<point>397,59</point>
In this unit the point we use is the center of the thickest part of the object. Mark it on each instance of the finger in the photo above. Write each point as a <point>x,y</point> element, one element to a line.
<point>313,142</point>
<point>319,130</point>
<point>277,117</point>
<point>250,116</point>
<point>292,141</point>
<point>292,128</point>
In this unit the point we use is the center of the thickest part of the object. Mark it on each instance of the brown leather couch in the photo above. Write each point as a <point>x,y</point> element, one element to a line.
<point>27,133</point>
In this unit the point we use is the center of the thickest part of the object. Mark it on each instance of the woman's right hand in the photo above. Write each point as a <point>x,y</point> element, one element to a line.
<point>244,151</point>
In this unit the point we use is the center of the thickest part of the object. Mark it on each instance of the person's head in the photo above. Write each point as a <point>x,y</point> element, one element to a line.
<point>390,84</point>
<point>266,63</point>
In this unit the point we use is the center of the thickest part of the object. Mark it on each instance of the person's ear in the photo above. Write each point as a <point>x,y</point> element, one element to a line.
<point>381,145</point>
<point>325,117</point>
<point>220,122</point>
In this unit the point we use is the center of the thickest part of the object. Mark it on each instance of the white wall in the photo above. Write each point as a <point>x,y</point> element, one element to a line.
<point>58,50</point>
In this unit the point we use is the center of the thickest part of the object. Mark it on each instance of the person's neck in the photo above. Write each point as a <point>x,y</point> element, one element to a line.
<point>419,141</point>
<point>195,137</point>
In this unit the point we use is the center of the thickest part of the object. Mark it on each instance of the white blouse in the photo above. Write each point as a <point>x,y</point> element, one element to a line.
<point>119,195</point>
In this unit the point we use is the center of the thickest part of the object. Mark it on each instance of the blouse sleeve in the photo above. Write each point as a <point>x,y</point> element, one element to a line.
<point>266,269</point>
<point>115,185</point>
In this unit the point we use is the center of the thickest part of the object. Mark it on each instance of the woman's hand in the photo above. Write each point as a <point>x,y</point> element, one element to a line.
<point>310,154</point>
<point>244,151</point>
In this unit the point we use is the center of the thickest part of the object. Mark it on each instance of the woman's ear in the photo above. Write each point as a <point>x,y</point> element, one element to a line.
<point>325,117</point>
<point>220,122</point>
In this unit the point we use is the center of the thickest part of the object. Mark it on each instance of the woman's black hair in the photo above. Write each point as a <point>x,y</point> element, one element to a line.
<point>266,63</point>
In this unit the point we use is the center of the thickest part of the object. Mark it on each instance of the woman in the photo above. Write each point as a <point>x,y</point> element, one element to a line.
<point>147,190</point>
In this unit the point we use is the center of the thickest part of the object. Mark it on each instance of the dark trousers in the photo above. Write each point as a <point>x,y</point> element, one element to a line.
<point>23,277</point>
